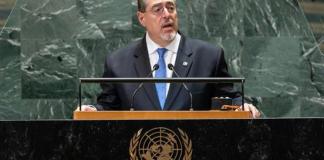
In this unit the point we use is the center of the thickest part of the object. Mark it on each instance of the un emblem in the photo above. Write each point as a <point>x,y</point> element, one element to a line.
<point>160,144</point>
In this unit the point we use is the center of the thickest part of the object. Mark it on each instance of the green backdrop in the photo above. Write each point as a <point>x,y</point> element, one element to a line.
<point>47,45</point>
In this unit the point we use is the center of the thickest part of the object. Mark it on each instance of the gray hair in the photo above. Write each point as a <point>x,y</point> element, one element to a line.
<point>141,5</point>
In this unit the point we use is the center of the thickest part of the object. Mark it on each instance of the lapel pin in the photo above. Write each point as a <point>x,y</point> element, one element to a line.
<point>185,63</point>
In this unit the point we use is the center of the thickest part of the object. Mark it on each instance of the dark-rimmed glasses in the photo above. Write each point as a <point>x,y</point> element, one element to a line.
<point>159,9</point>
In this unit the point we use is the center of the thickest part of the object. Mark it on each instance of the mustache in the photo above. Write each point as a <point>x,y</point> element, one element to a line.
<point>167,23</point>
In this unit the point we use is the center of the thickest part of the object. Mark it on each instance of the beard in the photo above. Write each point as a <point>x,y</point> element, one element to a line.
<point>168,36</point>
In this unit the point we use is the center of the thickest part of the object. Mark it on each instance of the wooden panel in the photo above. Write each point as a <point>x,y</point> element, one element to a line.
<point>2,23</point>
<point>317,27</point>
<point>160,115</point>
<point>7,4</point>
<point>313,7</point>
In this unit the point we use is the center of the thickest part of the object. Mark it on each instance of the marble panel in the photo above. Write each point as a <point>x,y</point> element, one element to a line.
<point>91,59</point>
<point>274,107</point>
<point>206,19</point>
<point>267,41</point>
<point>274,18</point>
<point>110,16</point>
<point>10,65</point>
<point>49,69</point>
<point>53,19</point>
<point>275,67</point>
<point>315,59</point>
<point>36,109</point>
<point>312,106</point>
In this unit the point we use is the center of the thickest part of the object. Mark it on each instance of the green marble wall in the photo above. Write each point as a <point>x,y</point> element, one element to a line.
<point>47,45</point>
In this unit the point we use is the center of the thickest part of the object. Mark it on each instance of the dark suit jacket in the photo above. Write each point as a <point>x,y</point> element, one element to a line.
<point>203,60</point>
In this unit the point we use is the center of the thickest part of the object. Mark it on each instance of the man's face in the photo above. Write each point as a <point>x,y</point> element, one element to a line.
<point>160,20</point>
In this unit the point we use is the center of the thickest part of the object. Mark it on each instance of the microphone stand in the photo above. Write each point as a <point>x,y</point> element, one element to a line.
<point>155,67</point>
<point>171,67</point>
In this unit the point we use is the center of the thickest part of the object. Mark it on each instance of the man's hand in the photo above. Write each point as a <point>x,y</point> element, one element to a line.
<point>86,108</point>
<point>250,107</point>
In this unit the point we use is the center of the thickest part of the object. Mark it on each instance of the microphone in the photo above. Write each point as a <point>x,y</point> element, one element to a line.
<point>155,67</point>
<point>171,67</point>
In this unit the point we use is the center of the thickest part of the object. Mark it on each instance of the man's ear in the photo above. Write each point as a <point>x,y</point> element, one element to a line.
<point>141,19</point>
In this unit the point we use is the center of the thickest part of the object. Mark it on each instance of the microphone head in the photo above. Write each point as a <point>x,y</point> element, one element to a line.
<point>170,66</point>
<point>156,67</point>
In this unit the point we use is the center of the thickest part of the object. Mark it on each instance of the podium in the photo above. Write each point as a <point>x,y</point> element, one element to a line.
<point>161,115</point>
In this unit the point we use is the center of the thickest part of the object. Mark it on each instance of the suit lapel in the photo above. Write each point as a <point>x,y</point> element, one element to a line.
<point>182,67</point>
<point>142,67</point>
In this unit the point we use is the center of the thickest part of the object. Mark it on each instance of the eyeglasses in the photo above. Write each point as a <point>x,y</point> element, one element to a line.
<point>159,9</point>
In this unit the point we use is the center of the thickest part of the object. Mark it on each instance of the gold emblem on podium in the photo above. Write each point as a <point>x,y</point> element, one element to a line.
<point>160,144</point>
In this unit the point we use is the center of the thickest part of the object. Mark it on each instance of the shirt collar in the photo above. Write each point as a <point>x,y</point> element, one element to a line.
<point>173,46</point>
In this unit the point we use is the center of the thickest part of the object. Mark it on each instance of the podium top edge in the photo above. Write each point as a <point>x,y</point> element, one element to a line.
<point>165,80</point>
<point>160,115</point>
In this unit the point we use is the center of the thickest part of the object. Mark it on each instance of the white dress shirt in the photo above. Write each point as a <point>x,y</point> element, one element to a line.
<point>169,56</point>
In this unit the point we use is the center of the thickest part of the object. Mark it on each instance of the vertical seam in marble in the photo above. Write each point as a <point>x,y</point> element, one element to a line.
<point>205,18</point>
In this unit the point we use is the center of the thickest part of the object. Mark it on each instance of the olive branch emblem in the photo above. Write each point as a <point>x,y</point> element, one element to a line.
<point>133,145</point>
<point>186,142</point>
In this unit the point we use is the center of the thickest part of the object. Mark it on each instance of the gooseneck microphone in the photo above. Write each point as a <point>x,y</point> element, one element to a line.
<point>171,67</point>
<point>155,67</point>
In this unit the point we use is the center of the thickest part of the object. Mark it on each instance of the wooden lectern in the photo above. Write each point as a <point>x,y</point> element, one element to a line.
<point>160,115</point>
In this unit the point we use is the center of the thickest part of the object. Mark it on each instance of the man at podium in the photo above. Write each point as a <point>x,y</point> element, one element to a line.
<point>164,52</point>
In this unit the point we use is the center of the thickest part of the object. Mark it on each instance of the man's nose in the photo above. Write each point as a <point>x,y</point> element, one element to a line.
<point>165,12</point>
